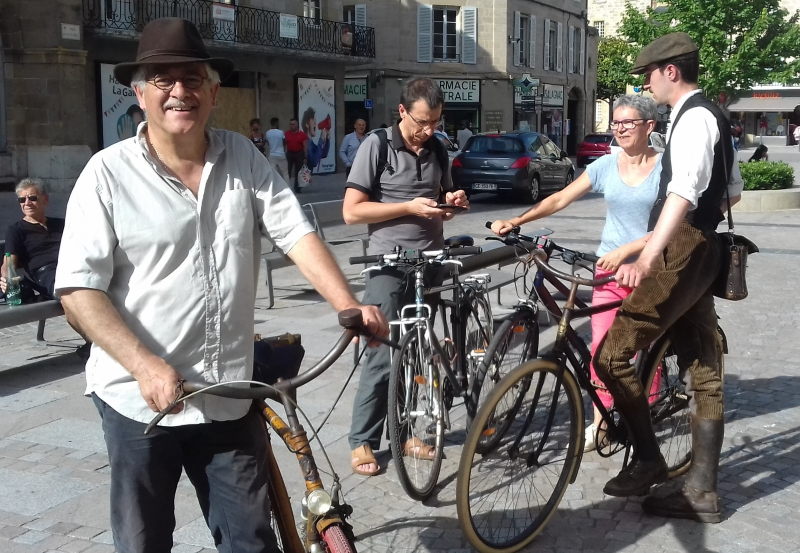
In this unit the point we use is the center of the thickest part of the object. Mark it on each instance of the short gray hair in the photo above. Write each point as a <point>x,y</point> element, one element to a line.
<point>30,182</point>
<point>643,104</point>
<point>139,78</point>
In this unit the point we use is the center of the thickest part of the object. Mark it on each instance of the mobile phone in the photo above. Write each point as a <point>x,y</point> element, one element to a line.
<point>450,206</point>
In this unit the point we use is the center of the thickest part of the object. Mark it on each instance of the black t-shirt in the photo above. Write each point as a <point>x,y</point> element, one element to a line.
<point>34,245</point>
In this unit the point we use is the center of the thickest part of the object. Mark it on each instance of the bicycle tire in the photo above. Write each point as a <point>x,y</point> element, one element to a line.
<point>478,333</point>
<point>505,496</point>
<point>669,407</point>
<point>336,541</point>
<point>515,342</point>
<point>415,411</point>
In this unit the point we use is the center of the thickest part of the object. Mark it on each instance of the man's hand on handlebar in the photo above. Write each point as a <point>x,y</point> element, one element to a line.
<point>502,227</point>
<point>374,322</point>
<point>159,384</point>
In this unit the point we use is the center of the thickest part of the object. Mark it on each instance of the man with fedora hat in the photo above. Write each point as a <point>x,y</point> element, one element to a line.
<point>158,265</point>
<point>671,280</point>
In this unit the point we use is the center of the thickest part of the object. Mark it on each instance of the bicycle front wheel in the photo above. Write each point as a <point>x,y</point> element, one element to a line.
<point>515,342</point>
<point>415,418</point>
<point>669,407</point>
<point>505,495</point>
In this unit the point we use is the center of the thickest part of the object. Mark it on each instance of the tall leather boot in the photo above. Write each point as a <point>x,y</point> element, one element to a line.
<point>647,466</point>
<point>697,499</point>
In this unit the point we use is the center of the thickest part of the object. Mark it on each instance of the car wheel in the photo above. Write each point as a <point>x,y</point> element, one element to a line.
<point>570,178</point>
<point>531,194</point>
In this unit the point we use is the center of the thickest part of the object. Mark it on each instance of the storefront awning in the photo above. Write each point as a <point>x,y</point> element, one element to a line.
<point>765,104</point>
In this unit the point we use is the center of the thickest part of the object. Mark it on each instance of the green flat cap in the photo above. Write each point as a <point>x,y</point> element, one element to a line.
<point>662,49</point>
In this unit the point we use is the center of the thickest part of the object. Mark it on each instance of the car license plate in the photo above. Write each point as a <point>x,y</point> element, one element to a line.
<point>484,186</point>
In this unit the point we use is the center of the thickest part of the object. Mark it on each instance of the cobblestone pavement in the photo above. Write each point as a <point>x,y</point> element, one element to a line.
<point>54,473</point>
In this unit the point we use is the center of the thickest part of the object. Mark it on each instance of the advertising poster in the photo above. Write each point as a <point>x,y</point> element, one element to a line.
<point>316,113</point>
<point>120,112</point>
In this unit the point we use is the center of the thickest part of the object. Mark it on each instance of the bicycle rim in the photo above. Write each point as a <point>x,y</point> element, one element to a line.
<point>506,495</point>
<point>415,413</point>
<point>515,342</point>
<point>669,408</point>
<point>336,541</point>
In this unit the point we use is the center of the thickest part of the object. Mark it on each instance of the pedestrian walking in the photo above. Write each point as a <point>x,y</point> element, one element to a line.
<point>296,142</point>
<point>350,144</point>
<point>276,144</point>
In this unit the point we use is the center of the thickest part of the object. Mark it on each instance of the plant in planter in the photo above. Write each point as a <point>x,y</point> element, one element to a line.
<point>767,175</point>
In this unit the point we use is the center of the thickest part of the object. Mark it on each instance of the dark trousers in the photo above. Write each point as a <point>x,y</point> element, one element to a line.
<point>676,297</point>
<point>294,161</point>
<point>225,462</point>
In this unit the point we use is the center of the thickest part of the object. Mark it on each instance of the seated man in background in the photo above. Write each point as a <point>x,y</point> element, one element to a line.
<point>33,241</point>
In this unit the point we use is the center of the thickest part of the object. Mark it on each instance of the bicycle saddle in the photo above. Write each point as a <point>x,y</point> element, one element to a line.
<point>458,241</point>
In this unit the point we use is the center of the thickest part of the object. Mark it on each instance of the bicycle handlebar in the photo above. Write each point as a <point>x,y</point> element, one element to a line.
<point>415,256</point>
<point>540,258</point>
<point>350,319</point>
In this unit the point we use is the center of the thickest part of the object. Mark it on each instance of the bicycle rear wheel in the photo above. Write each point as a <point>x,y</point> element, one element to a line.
<point>505,495</point>
<point>515,342</point>
<point>415,418</point>
<point>478,331</point>
<point>669,407</point>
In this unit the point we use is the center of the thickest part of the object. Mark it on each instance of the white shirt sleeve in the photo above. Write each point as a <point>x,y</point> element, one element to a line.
<point>692,154</point>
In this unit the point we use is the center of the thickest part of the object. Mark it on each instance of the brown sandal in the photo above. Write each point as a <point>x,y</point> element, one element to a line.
<point>418,449</point>
<point>362,455</point>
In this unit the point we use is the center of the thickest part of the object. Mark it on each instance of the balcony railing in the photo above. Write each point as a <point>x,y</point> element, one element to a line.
<point>236,25</point>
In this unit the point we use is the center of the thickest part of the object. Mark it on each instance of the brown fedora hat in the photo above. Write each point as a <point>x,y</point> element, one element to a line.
<point>170,40</point>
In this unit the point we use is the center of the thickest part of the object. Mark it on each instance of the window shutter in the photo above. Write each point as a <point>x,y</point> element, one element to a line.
<point>532,55</point>
<point>583,51</point>
<point>424,33</point>
<point>361,15</point>
<point>560,49</point>
<point>571,41</point>
<point>516,52</point>
<point>469,35</point>
<point>547,65</point>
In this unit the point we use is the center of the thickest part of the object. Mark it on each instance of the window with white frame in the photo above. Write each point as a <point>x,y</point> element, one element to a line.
<point>576,50</point>
<point>447,33</point>
<point>553,51</point>
<point>524,40</point>
<point>355,14</point>
<point>601,28</point>
<point>313,9</point>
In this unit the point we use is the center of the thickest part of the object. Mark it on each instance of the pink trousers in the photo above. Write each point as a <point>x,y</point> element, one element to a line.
<point>601,322</point>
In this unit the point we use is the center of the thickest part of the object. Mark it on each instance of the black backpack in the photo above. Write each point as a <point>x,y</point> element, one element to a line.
<point>383,158</point>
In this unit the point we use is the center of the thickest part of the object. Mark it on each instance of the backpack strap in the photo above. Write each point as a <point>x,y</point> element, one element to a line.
<point>441,158</point>
<point>383,159</point>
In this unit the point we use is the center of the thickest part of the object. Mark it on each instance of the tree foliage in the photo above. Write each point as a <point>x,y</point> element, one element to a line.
<point>741,43</point>
<point>614,62</point>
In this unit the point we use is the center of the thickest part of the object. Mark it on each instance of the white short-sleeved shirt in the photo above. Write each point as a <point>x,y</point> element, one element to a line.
<point>180,270</point>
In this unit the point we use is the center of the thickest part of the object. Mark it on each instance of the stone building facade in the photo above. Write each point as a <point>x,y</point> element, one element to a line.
<point>504,65</point>
<point>59,102</point>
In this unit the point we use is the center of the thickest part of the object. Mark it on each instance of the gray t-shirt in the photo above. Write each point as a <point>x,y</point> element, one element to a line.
<point>407,176</point>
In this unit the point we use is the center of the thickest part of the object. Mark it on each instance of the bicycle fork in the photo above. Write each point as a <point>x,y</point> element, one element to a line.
<point>319,508</point>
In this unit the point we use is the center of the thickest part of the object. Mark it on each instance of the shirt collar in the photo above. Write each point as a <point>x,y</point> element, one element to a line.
<point>397,140</point>
<point>676,109</point>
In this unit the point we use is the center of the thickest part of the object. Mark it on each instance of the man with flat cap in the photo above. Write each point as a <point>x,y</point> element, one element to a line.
<point>671,280</point>
<point>158,266</point>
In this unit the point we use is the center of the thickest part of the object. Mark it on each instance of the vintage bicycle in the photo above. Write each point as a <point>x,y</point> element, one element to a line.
<point>324,510</point>
<point>525,444</point>
<point>427,372</point>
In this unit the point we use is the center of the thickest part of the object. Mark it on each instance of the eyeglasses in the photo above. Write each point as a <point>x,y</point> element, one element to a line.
<point>627,124</point>
<point>167,83</point>
<point>31,197</point>
<point>424,124</point>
